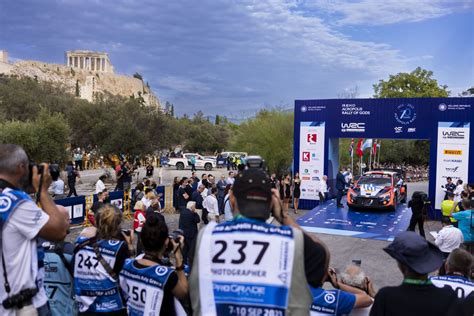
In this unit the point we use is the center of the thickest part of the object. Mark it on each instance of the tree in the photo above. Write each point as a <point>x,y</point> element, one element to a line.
<point>138,76</point>
<point>270,135</point>
<point>217,120</point>
<point>469,92</point>
<point>416,84</point>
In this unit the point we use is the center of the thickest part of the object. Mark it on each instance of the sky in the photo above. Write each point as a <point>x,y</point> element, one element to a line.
<point>234,57</point>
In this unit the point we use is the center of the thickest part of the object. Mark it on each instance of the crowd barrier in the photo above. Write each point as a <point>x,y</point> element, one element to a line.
<point>78,206</point>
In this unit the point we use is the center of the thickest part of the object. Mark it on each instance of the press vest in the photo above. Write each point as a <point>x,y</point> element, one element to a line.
<point>462,286</point>
<point>246,267</point>
<point>143,288</point>
<point>9,200</point>
<point>95,290</point>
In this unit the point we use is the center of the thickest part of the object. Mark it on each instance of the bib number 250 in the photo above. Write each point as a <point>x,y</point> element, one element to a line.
<point>242,245</point>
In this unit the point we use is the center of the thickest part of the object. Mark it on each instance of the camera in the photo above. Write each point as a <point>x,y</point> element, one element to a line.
<point>175,237</point>
<point>255,162</point>
<point>19,300</point>
<point>54,171</point>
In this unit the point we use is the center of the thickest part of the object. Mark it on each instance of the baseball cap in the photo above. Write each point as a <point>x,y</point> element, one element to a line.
<point>253,185</point>
<point>415,252</point>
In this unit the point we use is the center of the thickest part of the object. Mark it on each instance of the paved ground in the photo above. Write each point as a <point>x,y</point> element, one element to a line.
<point>378,265</point>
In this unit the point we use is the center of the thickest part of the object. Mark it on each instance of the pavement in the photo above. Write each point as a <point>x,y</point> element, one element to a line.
<point>378,265</point>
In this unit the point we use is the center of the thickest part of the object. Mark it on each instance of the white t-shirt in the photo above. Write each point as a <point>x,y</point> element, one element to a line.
<point>323,186</point>
<point>99,186</point>
<point>230,180</point>
<point>210,203</point>
<point>57,187</point>
<point>449,238</point>
<point>21,253</point>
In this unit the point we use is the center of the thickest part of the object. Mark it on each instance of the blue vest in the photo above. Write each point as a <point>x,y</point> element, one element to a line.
<point>58,284</point>
<point>143,288</point>
<point>9,200</point>
<point>95,290</point>
<point>331,302</point>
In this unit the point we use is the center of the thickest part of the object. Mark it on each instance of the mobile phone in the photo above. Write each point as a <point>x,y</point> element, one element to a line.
<point>357,262</point>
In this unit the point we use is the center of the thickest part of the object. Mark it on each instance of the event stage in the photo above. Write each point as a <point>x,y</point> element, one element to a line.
<point>380,225</point>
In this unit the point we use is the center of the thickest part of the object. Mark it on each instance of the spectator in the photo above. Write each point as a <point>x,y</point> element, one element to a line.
<point>98,261</point>
<point>102,199</point>
<point>416,295</point>
<point>340,187</point>
<point>458,269</point>
<point>466,224</point>
<point>72,174</point>
<point>341,301</point>
<point>302,263</point>
<point>449,206</point>
<point>355,277</point>
<point>57,188</point>
<point>274,181</point>
<point>138,222</point>
<point>211,207</point>
<point>417,205</point>
<point>192,162</point>
<point>323,189</point>
<point>204,181</point>
<point>138,194</point>
<point>150,170</point>
<point>159,283</point>
<point>221,185</point>
<point>230,178</point>
<point>448,238</point>
<point>119,176</point>
<point>228,212</point>
<point>197,197</point>
<point>100,185</point>
<point>189,188</point>
<point>348,176</point>
<point>147,197</point>
<point>183,197</point>
<point>188,223</point>
<point>296,191</point>
<point>127,176</point>
<point>287,193</point>
<point>21,223</point>
<point>155,207</point>
<point>176,186</point>
<point>457,192</point>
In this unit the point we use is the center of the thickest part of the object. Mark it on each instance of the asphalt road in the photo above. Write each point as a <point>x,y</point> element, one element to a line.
<point>379,266</point>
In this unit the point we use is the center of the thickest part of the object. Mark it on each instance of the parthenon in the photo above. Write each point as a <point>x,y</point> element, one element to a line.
<point>89,60</point>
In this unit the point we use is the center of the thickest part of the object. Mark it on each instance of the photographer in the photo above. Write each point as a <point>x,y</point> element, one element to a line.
<point>417,205</point>
<point>254,254</point>
<point>149,284</point>
<point>98,260</point>
<point>21,223</point>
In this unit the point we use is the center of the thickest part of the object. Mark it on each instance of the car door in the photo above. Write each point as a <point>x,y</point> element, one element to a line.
<point>199,161</point>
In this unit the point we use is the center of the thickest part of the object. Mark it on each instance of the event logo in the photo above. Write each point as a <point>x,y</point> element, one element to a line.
<point>306,156</point>
<point>398,129</point>
<point>452,152</point>
<point>161,271</point>
<point>453,135</point>
<point>114,242</point>
<point>442,107</point>
<point>411,130</point>
<point>405,114</point>
<point>304,108</point>
<point>312,138</point>
<point>353,127</point>
<point>329,298</point>
<point>5,204</point>
<point>454,170</point>
<point>315,171</point>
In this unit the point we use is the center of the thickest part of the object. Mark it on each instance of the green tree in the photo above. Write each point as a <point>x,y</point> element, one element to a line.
<point>217,122</point>
<point>270,135</point>
<point>138,76</point>
<point>416,84</point>
<point>469,92</point>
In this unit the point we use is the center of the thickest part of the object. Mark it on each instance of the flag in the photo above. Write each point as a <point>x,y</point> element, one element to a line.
<point>360,153</point>
<point>367,144</point>
<point>351,148</point>
<point>374,148</point>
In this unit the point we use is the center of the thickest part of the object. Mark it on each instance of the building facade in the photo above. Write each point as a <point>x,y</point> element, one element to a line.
<point>89,60</point>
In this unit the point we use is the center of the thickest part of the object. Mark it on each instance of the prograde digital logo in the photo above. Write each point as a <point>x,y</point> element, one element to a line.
<point>405,114</point>
<point>453,135</point>
<point>352,127</point>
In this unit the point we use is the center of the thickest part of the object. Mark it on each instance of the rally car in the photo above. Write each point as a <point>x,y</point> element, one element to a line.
<point>380,189</point>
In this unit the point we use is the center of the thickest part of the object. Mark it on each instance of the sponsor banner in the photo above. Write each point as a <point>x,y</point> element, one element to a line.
<point>453,155</point>
<point>311,159</point>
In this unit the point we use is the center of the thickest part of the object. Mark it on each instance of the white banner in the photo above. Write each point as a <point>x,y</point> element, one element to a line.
<point>311,158</point>
<point>452,156</point>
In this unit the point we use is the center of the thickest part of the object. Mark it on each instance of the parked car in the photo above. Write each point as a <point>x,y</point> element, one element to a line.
<point>377,190</point>
<point>183,162</point>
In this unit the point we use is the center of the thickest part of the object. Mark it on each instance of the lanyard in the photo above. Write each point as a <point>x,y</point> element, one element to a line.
<point>417,282</point>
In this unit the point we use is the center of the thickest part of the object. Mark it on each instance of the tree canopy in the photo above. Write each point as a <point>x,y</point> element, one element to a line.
<point>416,84</point>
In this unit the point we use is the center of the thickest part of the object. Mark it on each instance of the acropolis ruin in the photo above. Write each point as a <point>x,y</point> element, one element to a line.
<point>89,60</point>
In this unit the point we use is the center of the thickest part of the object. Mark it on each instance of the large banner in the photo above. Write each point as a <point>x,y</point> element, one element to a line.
<point>311,160</point>
<point>453,155</point>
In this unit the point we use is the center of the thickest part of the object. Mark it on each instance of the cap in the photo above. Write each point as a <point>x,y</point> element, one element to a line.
<point>253,185</point>
<point>415,252</point>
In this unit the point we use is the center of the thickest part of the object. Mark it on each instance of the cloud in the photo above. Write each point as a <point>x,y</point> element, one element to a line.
<point>382,12</point>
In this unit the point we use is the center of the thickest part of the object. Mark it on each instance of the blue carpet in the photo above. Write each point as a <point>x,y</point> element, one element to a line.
<point>380,225</point>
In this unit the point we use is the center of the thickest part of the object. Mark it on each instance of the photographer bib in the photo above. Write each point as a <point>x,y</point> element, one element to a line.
<point>96,290</point>
<point>245,268</point>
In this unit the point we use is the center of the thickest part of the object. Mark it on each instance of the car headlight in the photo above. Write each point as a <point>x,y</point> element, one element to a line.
<point>386,196</point>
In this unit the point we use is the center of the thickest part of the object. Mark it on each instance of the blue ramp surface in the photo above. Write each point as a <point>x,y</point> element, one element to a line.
<point>380,225</point>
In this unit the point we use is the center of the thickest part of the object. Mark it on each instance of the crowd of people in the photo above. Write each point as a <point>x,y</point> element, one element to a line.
<point>226,259</point>
<point>413,173</point>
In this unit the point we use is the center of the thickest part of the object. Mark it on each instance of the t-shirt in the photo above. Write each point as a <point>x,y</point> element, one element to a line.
<point>331,302</point>
<point>461,285</point>
<point>57,187</point>
<point>466,224</point>
<point>416,300</point>
<point>446,207</point>
<point>99,186</point>
<point>21,253</point>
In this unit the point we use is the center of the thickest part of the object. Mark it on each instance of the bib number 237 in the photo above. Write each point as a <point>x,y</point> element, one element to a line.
<point>245,250</point>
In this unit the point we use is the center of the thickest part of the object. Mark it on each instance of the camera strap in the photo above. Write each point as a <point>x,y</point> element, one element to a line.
<point>6,284</point>
<point>104,263</point>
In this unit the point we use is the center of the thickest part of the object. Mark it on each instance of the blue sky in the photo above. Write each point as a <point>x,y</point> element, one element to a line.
<point>233,57</point>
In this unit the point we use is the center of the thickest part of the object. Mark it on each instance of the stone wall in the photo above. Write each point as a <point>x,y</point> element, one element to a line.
<point>90,83</point>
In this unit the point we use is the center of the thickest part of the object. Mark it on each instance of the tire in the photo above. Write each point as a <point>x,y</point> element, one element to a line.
<point>394,207</point>
<point>208,166</point>
<point>180,166</point>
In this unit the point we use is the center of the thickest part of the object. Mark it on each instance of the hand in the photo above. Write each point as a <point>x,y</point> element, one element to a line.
<point>128,238</point>
<point>369,286</point>
<point>333,277</point>
<point>45,178</point>
<point>276,207</point>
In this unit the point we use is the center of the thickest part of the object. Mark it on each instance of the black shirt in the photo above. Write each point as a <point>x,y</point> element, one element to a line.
<point>188,221</point>
<point>181,200</point>
<point>315,257</point>
<point>197,197</point>
<point>167,305</point>
<point>149,170</point>
<point>411,299</point>
<point>96,207</point>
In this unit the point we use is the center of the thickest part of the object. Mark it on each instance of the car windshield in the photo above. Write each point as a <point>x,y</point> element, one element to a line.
<point>375,180</point>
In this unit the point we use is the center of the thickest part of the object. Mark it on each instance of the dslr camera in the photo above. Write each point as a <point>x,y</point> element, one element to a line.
<point>19,300</point>
<point>175,237</point>
<point>256,162</point>
<point>53,169</point>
